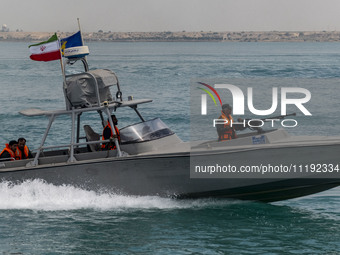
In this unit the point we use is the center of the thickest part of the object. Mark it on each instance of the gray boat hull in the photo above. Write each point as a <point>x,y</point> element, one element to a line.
<point>166,176</point>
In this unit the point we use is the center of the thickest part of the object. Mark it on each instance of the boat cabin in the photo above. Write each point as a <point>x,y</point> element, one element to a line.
<point>91,91</point>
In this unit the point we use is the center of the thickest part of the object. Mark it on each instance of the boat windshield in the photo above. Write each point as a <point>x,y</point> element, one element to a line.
<point>144,131</point>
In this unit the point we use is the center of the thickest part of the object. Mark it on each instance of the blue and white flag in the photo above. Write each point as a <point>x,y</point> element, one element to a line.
<point>74,40</point>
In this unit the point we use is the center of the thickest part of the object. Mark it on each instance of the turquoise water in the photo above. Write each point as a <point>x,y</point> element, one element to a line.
<point>38,218</point>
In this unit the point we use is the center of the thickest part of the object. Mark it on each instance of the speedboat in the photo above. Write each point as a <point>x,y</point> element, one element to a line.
<point>151,160</point>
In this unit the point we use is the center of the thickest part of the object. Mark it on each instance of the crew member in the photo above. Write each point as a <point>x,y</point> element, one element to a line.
<point>226,131</point>
<point>108,133</point>
<point>9,151</point>
<point>22,151</point>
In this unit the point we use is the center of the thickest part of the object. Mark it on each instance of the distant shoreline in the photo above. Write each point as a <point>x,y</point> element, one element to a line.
<point>249,36</point>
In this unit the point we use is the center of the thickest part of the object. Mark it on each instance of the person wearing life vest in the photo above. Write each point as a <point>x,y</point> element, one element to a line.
<point>226,131</point>
<point>22,151</point>
<point>9,151</point>
<point>108,133</point>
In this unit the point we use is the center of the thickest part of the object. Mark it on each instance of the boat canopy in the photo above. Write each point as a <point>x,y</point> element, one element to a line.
<point>38,112</point>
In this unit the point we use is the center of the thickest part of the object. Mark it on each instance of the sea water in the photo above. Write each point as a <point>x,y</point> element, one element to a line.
<point>40,218</point>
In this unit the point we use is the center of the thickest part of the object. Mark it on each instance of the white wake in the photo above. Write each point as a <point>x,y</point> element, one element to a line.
<point>39,195</point>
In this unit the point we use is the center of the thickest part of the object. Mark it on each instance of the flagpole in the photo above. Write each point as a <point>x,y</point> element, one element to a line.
<point>82,40</point>
<point>81,36</point>
<point>61,61</point>
<point>63,73</point>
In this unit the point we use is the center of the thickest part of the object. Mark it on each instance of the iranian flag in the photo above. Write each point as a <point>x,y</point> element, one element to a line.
<point>46,51</point>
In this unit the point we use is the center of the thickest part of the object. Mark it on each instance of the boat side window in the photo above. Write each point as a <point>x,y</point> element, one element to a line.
<point>144,131</point>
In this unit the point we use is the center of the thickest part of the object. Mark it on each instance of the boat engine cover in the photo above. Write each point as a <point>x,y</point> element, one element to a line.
<point>81,88</point>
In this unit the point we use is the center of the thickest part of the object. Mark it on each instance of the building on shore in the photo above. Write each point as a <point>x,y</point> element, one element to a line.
<point>4,28</point>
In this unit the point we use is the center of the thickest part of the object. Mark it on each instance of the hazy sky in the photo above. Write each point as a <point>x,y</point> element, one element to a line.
<point>171,15</point>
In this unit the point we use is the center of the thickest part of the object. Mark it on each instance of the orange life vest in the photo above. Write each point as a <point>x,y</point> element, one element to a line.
<point>18,153</point>
<point>229,133</point>
<point>111,146</point>
<point>8,149</point>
